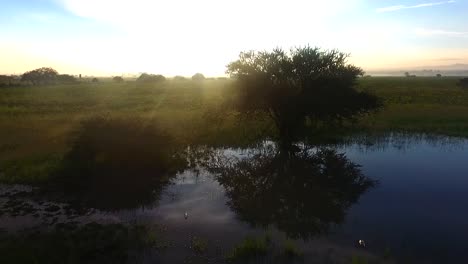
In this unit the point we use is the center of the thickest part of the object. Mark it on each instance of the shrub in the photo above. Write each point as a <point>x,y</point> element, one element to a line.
<point>151,78</point>
<point>198,77</point>
<point>5,80</point>
<point>118,79</point>
<point>66,79</point>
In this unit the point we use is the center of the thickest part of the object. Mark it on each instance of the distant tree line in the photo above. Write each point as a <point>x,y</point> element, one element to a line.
<point>407,74</point>
<point>49,76</point>
<point>40,76</point>
<point>6,81</point>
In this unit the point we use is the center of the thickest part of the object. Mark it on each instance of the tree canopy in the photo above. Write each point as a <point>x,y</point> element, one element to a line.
<point>5,80</point>
<point>42,75</point>
<point>145,77</point>
<point>303,84</point>
<point>66,78</point>
<point>118,79</point>
<point>198,77</point>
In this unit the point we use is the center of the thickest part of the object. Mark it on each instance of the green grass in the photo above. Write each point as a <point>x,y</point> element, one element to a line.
<point>34,169</point>
<point>91,243</point>
<point>249,248</point>
<point>291,250</point>
<point>423,104</point>
<point>358,260</point>
<point>256,248</point>
<point>37,124</point>
<point>199,245</point>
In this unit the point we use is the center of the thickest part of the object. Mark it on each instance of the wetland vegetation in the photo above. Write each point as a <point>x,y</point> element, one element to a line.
<point>267,158</point>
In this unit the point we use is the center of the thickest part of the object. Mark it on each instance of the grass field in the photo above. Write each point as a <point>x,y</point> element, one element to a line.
<point>38,123</point>
<point>427,105</point>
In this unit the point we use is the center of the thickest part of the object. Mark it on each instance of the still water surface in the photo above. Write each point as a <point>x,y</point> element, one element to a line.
<point>418,210</point>
<point>406,196</point>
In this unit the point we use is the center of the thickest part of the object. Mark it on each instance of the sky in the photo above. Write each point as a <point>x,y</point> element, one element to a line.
<point>182,37</point>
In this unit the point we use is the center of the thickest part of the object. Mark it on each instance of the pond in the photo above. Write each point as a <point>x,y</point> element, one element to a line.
<point>404,196</point>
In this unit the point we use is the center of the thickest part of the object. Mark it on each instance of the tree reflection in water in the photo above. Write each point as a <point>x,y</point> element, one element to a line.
<point>302,193</point>
<point>118,164</point>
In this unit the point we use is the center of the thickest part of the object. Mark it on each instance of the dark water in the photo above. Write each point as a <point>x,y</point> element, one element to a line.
<point>406,196</point>
<point>417,211</point>
<point>419,207</point>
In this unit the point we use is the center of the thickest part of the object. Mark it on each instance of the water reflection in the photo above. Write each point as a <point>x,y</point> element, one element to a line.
<point>417,212</point>
<point>302,193</point>
<point>118,164</point>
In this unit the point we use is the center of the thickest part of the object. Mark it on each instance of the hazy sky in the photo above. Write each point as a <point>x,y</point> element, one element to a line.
<point>186,36</point>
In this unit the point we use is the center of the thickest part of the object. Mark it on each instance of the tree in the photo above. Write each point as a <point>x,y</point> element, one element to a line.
<point>118,79</point>
<point>198,77</point>
<point>151,78</point>
<point>5,80</point>
<point>66,78</point>
<point>95,80</point>
<point>179,78</point>
<point>42,75</point>
<point>303,86</point>
<point>439,75</point>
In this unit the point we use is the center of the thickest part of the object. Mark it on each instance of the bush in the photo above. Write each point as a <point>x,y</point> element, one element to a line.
<point>95,80</point>
<point>151,78</point>
<point>5,80</point>
<point>66,79</point>
<point>179,78</point>
<point>118,79</point>
<point>198,77</point>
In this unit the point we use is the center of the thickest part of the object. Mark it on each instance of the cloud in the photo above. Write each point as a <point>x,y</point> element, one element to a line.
<point>440,32</point>
<point>400,7</point>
